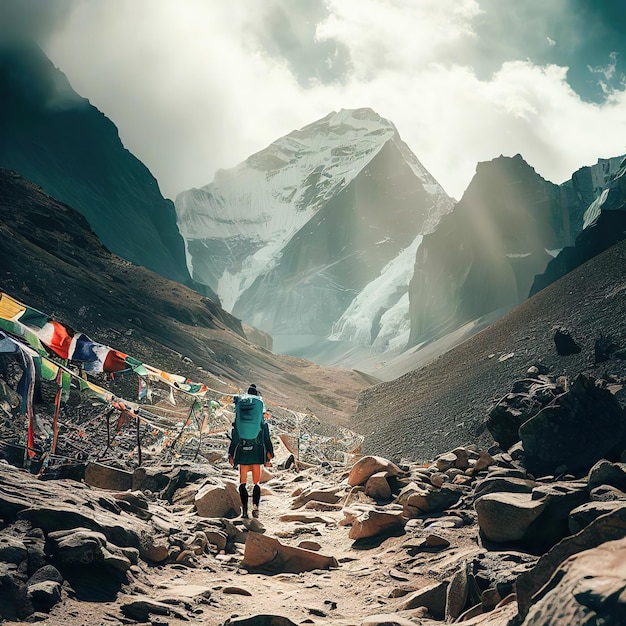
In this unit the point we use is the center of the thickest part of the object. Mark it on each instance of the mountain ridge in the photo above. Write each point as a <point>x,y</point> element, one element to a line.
<point>57,139</point>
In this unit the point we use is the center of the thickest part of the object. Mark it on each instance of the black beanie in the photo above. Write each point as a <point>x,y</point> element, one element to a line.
<point>252,390</point>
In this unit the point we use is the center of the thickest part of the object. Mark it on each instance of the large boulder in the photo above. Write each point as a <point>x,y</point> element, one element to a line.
<point>266,554</point>
<point>526,399</point>
<point>370,465</point>
<point>505,517</point>
<point>83,547</point>
<point>375,523</point>
<point>587,588</point>
<point>218,500</point>
<point>584,426</point>
<point>609,527</point>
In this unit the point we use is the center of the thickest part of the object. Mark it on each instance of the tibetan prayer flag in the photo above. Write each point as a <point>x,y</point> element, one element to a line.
<point>33,318</point>
<point>82,349</point>
<point>56,337</point>
<point>115,361</point>
<point>10,309</point>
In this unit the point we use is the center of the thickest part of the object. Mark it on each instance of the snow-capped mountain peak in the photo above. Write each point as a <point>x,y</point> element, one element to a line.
<point>269,218</point>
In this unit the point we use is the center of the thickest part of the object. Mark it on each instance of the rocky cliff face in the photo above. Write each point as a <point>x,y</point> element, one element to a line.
<point>57,139</point>
<point>290,238</point>
<point>604,225</point>
<point>484,256</point>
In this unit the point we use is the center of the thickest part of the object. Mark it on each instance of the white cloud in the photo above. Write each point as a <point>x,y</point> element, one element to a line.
<point>191,89</point>
<point>391,36</point>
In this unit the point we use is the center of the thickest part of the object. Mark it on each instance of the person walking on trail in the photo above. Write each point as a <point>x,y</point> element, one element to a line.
<point>250,445</point>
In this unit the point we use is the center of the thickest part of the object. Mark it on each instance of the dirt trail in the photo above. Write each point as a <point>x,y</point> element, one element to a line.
<point>369,580</point>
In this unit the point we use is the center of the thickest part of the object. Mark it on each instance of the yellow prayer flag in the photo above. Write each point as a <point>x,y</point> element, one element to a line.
<point>10,309</point>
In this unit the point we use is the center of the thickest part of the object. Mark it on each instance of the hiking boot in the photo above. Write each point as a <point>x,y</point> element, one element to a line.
<point>243,495</point>
<point>255,511</point>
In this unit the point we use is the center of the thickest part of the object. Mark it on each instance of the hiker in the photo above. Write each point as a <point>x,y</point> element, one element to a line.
<point>250,445</point>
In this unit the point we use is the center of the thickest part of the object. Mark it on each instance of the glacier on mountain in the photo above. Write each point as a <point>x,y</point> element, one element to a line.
<point>316,234</point>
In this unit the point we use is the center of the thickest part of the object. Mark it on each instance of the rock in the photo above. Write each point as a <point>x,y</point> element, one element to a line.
<point>368,465</point>
<point>14,600</point>
<point>12,550</point>
<point>586,588</point>
<point>499,570</point>
<point>80,547</point>
<point>266,554</point>
<point>607,527</point>
<point>552,524</point>
<point>373,523</point>
<point>185,495</point>
<point>606,473</point>
<point>526,399</point>
<point>44,595</point>
<point>462,458</point>
<point>218,500</point>
<point>583,427</point>
<point>457,593</point>
<point>606,493</point>
<point>237,591</point>
<point>140,608</point>
<point>495,484</point>
<point>328,495</point>
<point>377,487</point>
<point>501,616</point>
<point>260,620</point>
<point>430,543</point>
<point>565,343</point>
<point>35,542</point>
<point>423,501</point>
<point>445,461</point>
<point>433,597</point>
<point>438,478</point>
<point>216,537</point>
<point>484,461</point>
<point>582,516</point>
<point>307,544</point>
<point>489,599</point>
<point>505,517</point>
<point>604,348</point>
<point>45,574</point>
<point>105,477</point>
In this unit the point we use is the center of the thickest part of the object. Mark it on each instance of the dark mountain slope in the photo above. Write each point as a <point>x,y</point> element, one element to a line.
<point>51,260</point>
<point>57,139</point>
<point>444,404</point>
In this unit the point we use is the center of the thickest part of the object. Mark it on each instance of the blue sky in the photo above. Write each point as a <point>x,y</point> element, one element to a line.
<point>195,86</point>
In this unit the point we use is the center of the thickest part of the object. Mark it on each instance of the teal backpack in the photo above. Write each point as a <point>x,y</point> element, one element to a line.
<point>248,416</point>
